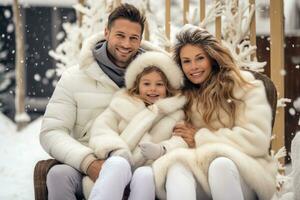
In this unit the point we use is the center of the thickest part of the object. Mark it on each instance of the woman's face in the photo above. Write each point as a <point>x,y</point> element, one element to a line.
<point>196,63</point>
<point>152,87</point>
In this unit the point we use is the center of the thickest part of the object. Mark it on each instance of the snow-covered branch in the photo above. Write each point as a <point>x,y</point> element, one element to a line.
<point>94,17</point>
<point>282,102</point>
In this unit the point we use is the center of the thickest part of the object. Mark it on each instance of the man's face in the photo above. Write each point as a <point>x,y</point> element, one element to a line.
<point>123,41</point>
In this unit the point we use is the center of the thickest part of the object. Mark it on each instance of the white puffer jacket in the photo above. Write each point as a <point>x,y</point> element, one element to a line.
<point>246,144</point>
<point>82,93</point>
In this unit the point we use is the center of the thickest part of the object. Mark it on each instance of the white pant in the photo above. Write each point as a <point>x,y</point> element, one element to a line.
<point>114,177</point>
<point>224,181</point>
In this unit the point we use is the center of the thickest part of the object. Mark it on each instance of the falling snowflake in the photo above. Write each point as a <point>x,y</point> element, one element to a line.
<point>283,72</point>
<point>50,73</point>
<point>45,81</point>
<point>296,104</point>
<point>60,35</point>
<point>37,77</point>
<point>292,111</point>
<point>7,14</point>
<point>10,28</point>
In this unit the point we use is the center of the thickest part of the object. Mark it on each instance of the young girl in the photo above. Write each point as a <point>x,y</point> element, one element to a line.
<point>137,127</point>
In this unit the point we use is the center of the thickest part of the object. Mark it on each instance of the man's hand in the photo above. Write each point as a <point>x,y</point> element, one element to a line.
<point>94,169</point>
<point>187,131</point>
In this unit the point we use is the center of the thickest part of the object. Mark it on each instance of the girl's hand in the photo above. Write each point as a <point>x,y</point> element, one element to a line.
<point>187,131</point>
<point>152,151</point>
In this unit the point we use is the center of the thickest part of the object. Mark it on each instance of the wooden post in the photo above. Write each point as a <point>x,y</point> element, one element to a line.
<point>218,26</point>
<point>202,10</point>
<point>79,14</point>
<point>146,31</point>
<point>186,8</point>
<point>19,66</point>
<point>117,3</point>
<point>168,20</point>
<point>79,21</point>
<point>253,29</point>
<point>146,28</point>
<point>276,65</point>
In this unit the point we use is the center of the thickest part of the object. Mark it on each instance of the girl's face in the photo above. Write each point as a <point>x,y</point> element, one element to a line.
<point>196,63</point>
<point>152,87</point>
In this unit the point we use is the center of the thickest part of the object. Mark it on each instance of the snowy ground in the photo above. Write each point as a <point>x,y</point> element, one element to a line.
<point>19,151</point>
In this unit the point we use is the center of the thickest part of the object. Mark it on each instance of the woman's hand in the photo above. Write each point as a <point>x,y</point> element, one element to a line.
<point>187,131</point>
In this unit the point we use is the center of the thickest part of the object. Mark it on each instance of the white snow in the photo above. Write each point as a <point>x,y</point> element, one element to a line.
<point>37,77</point>
<point>290,188</point>
<point>7,13</point>
<point>296,104</point>
<point>19,152</point>
<point>22,117</point>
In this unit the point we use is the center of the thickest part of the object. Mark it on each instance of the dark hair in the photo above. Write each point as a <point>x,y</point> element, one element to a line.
<point>126,11</point>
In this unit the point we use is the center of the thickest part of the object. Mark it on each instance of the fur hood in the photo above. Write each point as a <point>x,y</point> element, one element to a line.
<point>161,60</point>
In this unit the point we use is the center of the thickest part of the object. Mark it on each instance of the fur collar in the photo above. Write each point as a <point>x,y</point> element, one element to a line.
<point>127,106</point>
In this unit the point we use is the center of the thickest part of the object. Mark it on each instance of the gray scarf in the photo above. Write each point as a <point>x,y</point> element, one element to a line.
<point>114,72</point>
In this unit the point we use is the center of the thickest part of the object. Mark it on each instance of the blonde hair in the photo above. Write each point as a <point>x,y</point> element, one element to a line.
<point>134,91</point>
<point>216,92</point>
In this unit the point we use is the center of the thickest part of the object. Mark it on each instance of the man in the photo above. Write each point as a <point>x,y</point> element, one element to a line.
<point>82,93</point>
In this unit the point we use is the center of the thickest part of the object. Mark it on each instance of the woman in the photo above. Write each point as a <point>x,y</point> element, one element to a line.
<point>228,128</point>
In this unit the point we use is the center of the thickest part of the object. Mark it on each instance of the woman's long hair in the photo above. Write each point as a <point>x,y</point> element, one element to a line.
<point>216,92</point>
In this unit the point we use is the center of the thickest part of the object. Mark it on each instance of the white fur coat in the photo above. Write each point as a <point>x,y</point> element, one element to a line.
<point>128,121</point>
<point>246,144</point>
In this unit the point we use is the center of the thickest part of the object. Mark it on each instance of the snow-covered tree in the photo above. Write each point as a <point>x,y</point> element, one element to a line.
<point>236,32</point>
<point>290,184</point>
<point>7,73</point>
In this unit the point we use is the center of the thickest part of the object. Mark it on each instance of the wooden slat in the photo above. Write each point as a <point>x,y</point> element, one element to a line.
<point>202,10</point>
<point>118,2</point>
<point>146,28</point>
<point>79,14</point>
<point>146,31</point>
<point>277,64</point>
<point>218,26</point>
<point>186,5</point>
<point>253,30</point>
<point>168,19</point>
